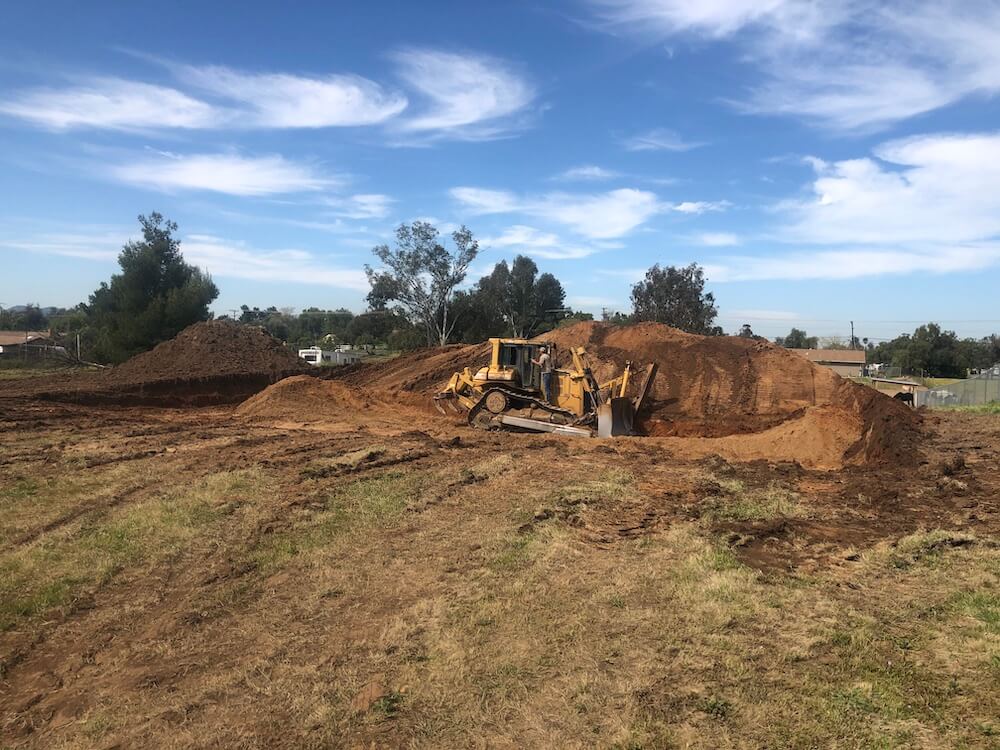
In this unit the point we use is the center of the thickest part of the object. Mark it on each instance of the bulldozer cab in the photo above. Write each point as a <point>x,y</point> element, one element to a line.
<point>516,355</point>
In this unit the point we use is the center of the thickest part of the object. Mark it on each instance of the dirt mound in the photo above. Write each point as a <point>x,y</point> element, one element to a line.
<point>779,404</point>
<point>212,349</point>
<point>215,362</point>
<point>708,386</point>
<point>303,398</point>
<point>744,398</point>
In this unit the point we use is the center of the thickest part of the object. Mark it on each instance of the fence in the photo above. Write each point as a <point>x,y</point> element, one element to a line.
<point>972,392</point>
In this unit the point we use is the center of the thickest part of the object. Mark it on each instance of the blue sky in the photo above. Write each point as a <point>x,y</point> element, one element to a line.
<point>824,161</point>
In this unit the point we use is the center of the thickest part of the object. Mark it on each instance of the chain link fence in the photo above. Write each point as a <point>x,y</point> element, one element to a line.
<point>975,391</point>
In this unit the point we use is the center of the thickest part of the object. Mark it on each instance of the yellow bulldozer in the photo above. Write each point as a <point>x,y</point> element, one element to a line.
<point>507,393</point>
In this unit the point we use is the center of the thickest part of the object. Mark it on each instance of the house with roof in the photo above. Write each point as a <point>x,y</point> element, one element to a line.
<point>844,362</point>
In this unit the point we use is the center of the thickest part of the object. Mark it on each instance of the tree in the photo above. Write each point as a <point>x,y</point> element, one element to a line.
<point>420,275</point>
<point>526,302</point>
<point>375,327</point>
<point>155,296</point>
<point>676,297</point>
<point>930,350</point>
<point>797,339</point>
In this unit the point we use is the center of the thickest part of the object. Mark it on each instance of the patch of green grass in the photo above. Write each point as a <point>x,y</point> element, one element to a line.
<point>354,507</point>
<point>612,485</point>
<point>981,605</point>
<point>716,707</point>
<point>32,503</point>
<point>739,503</point>
<point>512,553</point>
<point>58,567</point>
<point>993,407</point>
<point>388,705</point>
<point>926,546</point>
<point>19,491</point>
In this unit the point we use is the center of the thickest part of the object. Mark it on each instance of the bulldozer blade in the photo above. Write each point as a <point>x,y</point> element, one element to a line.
<point>644,387</point>
<point>615,418</point>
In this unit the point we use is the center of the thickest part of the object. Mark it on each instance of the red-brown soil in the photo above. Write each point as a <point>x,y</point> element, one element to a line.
<point>744,399</point>
<point>303,398</point>
<point>214,362</point>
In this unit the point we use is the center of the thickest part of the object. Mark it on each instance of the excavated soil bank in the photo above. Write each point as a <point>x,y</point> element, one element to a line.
<point>744,399</point>
<point>215,362</point>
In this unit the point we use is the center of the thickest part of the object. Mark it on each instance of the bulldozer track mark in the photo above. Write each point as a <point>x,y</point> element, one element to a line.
<point>90,463</point>
<point>76,513</point>
<point>337,471</point>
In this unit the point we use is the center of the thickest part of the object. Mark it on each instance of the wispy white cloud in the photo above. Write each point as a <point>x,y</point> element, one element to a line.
<point>940,188</point>
<point>856,65</point>
<point>283,100</point>
<point>927,204</point>
<point>699,207</point>
<point>222,173</point>
<point>88,245</point>
<point>485,201</point>
<point>717,239</point>
<point>220,257</point>
<point>227,258</point>
<point>467,96</point>
<point>588,172</point>
<point>659,139</point>
<point>595,216</point>
<point>713,19</point>
<point>362,206</point>
<point>531,241</point>
<point>600,216</point>
<point>113,104</point>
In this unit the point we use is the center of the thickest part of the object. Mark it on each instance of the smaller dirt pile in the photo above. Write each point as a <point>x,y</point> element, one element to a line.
<point>303,398</point>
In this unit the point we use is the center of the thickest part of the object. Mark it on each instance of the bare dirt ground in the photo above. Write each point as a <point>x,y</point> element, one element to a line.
<point>208,577</point>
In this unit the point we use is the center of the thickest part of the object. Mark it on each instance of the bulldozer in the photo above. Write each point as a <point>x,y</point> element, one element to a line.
<point>507,393</point>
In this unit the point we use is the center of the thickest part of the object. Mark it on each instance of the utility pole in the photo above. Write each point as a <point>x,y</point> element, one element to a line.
<point>852,334</point>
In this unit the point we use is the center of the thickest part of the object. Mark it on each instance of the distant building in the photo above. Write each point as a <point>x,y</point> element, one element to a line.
<point>844,362</point>
<point>27,344</point>
<point>343,355</point>
<point>316,356</point>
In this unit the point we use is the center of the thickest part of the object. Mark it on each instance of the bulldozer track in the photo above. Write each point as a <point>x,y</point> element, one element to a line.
<point>513,395</point>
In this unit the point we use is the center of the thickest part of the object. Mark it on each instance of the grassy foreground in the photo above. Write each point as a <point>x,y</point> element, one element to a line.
<point>516,630</point>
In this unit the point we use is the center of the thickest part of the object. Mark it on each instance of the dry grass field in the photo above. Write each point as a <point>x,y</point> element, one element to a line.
<point>189,578</point>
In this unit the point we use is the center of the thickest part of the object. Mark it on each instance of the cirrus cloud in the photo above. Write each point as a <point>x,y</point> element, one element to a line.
<point>221,173</point>
<point>467,96</point>
<point>847,65</point>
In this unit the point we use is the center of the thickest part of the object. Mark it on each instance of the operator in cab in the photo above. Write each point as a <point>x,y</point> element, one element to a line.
<point>544,361</point>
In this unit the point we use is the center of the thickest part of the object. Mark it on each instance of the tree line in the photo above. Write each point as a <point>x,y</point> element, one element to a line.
<point>929,350</point>
<point>418,296</point>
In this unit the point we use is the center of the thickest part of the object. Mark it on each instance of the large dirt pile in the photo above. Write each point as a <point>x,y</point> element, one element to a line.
<point>214,362</point>
<point>214,349</point>
<point>740,398</point>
